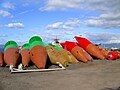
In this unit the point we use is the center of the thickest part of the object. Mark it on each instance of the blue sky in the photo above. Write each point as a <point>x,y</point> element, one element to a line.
<point>98,20</point>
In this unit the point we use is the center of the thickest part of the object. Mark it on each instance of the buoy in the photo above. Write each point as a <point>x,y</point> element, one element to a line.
<point>94,51</point>
<point>77,51</point>
<point>113,55</point>
<point>1,59</point>
<point>55,56</point>
<point>104,52</point>
<point>38,53</point>
<point>118,54</point>
<point>71,59</point>
<point>11,53</point>
<point>89,58</point>
<point>90,47</point>
<point>66,54</point>
<point>79,54</point>
<point>25,53</point>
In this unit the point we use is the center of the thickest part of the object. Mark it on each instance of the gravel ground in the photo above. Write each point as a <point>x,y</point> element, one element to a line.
<point>96,75</point>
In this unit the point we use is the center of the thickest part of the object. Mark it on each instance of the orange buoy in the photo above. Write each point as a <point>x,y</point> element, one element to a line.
<point>94,51</point>
<point>89,58</point>
<point>38,56</point>
<point>1,59</point>
<point>104,52</point>
<point>89,47</point>
<point>69,56</point>
<point>38,53</point>
<point>11,56</point>
<point>55,56</point>
<point>77,51</point>
<point>25,53</point>
<point>11,53</point>
<point>79,54</point>
<point>118,54</point>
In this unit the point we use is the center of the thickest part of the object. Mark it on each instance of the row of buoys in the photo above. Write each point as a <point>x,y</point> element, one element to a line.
<point>38,52</point>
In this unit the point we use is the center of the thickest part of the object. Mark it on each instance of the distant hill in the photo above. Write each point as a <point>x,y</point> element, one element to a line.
<point>114,45</point>
<point>1,48</point>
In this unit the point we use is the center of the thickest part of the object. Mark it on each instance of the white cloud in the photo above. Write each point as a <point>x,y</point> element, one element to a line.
<point>4,13</point>
<point>15,25</point>
<point>74,4</point>
<point>8,5</point>
<point>105,21</point>
<point>67,25</point>
<point>56,25</point>
<point>61,4</point>
<point>3,35</point>
<point>103,37</point>
<point>109,17</point>
<point>109,10</point>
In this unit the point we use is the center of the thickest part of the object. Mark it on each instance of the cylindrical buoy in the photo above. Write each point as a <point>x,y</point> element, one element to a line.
<point>1,59</point>
<point>89,58</point>
<point>38,53</point>
<point>113,55</point>
<point>83,42</point>
<point>79,54</point>
<point>55,56</point>
<point>38,56</point>
<point>89,47</point>
<point>94,51</point>
<point>77,51</point>
<point>104,52</point>
<point>69,56</point>
<point>25,53</point>
<point>11,53</point>
<point>118,54</point>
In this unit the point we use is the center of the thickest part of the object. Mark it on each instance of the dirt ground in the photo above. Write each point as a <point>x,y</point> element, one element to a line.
<point>96,75</point>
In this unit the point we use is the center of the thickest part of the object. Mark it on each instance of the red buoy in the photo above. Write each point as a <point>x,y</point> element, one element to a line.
<point>90,47</point>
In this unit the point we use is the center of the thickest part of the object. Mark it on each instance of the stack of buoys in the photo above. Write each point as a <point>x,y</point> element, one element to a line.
<point>25,53</point>
<point>11,53</point>
<point>38,53</point>
<point>66,53</point>
<point>77,51</point>
<point>89,47</point>
<point>1,58</point>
